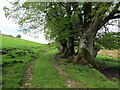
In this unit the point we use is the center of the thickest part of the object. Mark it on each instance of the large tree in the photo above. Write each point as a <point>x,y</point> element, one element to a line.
<point>67,22</point>
<point>94,16</point>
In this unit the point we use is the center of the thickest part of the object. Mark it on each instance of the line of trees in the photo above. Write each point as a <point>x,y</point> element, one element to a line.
<point>69,23</point>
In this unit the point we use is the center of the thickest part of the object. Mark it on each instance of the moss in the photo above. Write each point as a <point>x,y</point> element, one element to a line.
<point>84,58</point>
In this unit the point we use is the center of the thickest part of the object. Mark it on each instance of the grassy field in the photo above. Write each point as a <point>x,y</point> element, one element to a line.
<point>110,61</point>
<point>16,53</point>
<point>42,69</point>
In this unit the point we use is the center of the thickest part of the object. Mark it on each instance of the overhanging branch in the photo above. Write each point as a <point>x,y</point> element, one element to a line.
<point>111,15</point>
<point>118,16</point>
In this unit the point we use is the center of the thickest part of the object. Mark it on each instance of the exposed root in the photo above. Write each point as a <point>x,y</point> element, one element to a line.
<point>84,58</point>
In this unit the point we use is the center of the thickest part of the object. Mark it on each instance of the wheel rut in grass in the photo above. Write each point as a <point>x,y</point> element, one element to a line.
<point>70,83</point>
<point>44,75</point>
<point>28,73</point>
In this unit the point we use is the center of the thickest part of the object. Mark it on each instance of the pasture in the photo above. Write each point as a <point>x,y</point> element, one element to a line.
<point>27,64</point>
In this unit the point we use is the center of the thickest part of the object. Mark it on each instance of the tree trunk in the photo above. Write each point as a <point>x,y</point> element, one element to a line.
<point>87,51</point>
<point>68,50</point>
<point>71,46</point>
<point>63,45</point>
<point>85,55</point>
<point>64,48</point>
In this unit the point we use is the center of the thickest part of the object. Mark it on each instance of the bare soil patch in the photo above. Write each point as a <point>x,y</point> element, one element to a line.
<point>111,53</point>
<point>110,74</point>
<point>108,71</point>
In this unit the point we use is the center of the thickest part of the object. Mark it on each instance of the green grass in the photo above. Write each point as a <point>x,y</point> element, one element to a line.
<point>18,53</point>
<point>85,76</point>
<point>45,75</point>
<point>13,69</point>
<point>13,75</point>
<point>102,59</point>
<point>8,41</point>
<point>21,50</point>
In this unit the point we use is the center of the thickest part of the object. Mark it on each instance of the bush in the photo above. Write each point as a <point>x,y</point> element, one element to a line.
<point>18,36</point>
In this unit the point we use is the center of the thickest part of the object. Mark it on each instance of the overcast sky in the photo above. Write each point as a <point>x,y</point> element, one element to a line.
<point>9,28</point>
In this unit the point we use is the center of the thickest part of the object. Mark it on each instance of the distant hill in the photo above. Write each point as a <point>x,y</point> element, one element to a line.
<point>8,41</point>
<point>7,35</point>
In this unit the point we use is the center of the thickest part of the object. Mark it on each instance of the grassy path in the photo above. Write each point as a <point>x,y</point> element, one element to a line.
<point>49,73</point>
<point>44,74</point>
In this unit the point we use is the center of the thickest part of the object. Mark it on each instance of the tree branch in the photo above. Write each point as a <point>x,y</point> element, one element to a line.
<point>111,15</point>
<point>118,16</point>
<point>62,4</point>
<point>118,11</point>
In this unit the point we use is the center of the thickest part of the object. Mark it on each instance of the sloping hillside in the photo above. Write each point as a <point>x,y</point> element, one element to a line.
<point>8,41</point>
<point>27,64</point>
<point>15,55</point>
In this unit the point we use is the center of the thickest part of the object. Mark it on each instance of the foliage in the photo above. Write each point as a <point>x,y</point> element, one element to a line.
<point>18,36</point>
<point>62,20</point>
<point>67,22</point>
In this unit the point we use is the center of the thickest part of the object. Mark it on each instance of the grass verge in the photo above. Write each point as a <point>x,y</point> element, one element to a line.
<point>85,76</point>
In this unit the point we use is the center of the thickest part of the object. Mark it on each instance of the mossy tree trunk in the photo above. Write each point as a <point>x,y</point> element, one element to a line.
<point>86,54</point>
<point>87,51</point>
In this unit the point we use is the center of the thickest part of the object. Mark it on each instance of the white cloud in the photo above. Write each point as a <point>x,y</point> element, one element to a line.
<point>5,24</point>
<point>10,28</point>
<point>40,39</point>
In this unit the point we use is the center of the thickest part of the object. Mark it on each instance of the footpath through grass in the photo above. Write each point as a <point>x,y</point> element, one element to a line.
<point>44,74</point>
<point>49,73</point>
<point>16,54</point>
